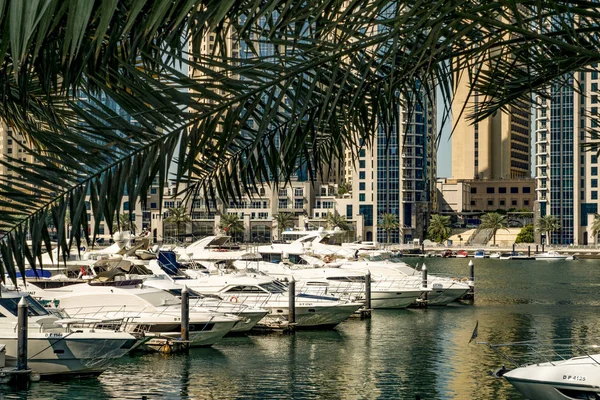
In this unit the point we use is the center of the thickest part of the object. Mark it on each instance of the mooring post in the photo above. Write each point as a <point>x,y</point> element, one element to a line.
<point>542,247</point>
<point>528,251</point>
<point>471,271</point>
<point>536,249</point>
<point>513,252</point>
<point>22,334</point>
<point>368,290</point>
<point>424,281</point>
<point>292,301</point>
<point>185,316</point>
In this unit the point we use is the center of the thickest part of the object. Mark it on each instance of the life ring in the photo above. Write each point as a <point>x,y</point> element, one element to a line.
<point>234,299</point>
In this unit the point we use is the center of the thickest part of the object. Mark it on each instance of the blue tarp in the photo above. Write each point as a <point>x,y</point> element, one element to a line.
<point>29,273</point>
<point>168,262</point>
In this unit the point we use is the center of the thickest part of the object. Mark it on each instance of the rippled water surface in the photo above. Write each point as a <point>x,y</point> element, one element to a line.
<point>398,354</point>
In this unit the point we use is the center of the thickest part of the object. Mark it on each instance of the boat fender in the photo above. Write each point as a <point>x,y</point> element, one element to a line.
<point>233,299</point>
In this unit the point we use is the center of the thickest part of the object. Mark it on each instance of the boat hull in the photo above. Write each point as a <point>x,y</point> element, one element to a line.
<point>385,300</point>
<point>54,354</point>
<point>314,316</point>
<point>445,296</point>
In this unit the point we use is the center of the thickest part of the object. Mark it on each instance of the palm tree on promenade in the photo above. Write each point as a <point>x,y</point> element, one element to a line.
<point>284,220</point>
<point>595,227</point>
<point>334,220</point>
<point>493,221</point>
<point>232,225</point>
<point>440,227</point>
<point>178,216</point>
<point>243,119</point>
<point>548,224</point>
<point>388,222</point>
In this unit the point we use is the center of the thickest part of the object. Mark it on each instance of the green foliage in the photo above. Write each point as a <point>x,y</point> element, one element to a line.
<point>337,221</point>
<point>595,227</point>
<point>344,188</point>
<point>232,225</point>
<point>124,223</point>
<point>440,228</point>
<point>493,221</point>
<point>284,221</point>
<point>526,235</point>
<point>548,224</point>
<point>178,216</point>
<point>388,222</point>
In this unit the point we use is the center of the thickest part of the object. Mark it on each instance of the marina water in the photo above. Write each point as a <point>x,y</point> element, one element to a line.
<point>398,354</point>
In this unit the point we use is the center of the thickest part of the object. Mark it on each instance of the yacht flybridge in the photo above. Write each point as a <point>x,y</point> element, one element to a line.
<point>55,347</point>
<point>214,248</point>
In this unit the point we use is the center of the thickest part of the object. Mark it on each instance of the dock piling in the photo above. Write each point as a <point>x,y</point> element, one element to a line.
<point>22,334</point>
<point>471,271</point>
<point>292,301</point>
<point>368,304</point>
<point>185,316</point>
<point>528,251</point>
<point>424,284</point>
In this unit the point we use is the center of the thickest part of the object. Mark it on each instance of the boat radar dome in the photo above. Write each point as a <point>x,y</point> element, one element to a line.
<point>321,229</point>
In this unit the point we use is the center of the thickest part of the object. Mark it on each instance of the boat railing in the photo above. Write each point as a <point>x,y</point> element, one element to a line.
<point>545,351</point>
<point>96,311</point>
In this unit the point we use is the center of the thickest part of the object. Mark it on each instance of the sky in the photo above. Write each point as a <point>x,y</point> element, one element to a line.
<point>444,155</point>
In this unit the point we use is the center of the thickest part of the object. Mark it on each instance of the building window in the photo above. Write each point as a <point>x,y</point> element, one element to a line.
<point>152,190</point>
<point>299,203</point>
<point>153,206</point>
<point>514,190</point>
<point>526,189</point>
<point>594,171</point>
<point>361,197</point>
<point>502,202</point>
<point>361,175</point>
<point>501,190</point>
<point>490,190</point>
<point>362,164</point>
<point>490,202</point>
<point>525,202</point>
<point>594,195</point>
<point>594,159</point>
<point>513,202</point>
<point>472,202</point>
<point>473,190</point>
<point>594,183</point>
<point>361,153</point>
<point>361,186</point>
<point>283,203</point>
<point>283,192</point>
<point>349,211</point>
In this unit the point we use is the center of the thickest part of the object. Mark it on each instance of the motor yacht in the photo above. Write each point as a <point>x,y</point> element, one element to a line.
<point>496,255</point>
<point>443,290</point>
<point>312,311</point>
<point>553,255</point>
<point>343,283</point>
<point>54,346</point>
<point>146,310</point>
<point>249,316</point>
<point>573,378</point>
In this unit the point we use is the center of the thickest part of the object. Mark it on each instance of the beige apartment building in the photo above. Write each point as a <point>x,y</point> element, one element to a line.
<point>503,194</point>
<point>497,147</point>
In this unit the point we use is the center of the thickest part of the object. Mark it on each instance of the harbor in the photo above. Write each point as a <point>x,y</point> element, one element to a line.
<point>395,354</point>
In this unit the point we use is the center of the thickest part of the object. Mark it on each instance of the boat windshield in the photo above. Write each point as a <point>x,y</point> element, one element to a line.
<point>192,293</point>
<point>273,287</point>
<point>34,308</point>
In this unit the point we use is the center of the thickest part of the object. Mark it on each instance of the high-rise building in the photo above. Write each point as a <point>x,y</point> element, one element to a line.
<point>497,147</point>
<point>397,175</point>
<point>566,157</point>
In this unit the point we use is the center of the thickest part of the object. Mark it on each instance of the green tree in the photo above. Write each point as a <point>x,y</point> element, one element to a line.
<point>334,220</point>
<point>595,227</point>
<point>440,228</point>
<point>242,119</point>
<point>232,225</point>
<point>388,222</point>
<point>344,188</point>
<point>178,216</point>
<point>125,223</point>
<point>547,224</point>
<point>493,221</point>
<point>526,234</point>
<point>284,220</point>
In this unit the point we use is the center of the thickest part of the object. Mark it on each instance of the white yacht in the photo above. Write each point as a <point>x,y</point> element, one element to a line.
<point>343,283</point>
<point>147,310</point>
<point>249,316</point>
<point>574,378</point>
<point>443,290</point>
<point>54,346</point>
<point>553,255</point>
<point>312,311</point>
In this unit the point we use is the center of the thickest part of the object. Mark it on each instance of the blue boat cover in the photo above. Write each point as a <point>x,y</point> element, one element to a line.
<point>168,262</point>
<point>38,273</point>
